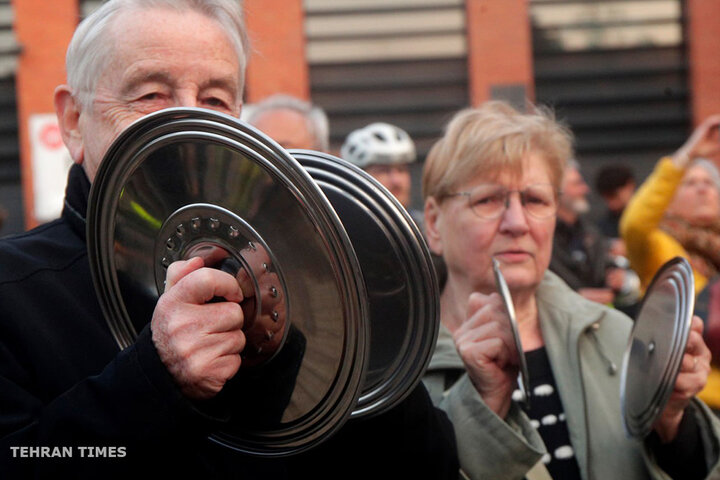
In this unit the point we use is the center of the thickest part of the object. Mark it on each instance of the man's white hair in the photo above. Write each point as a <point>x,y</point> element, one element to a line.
<point>316,118</point>
<point>89,49</point>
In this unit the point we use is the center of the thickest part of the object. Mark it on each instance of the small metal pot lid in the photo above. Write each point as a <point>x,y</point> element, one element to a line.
<point>523,379</point>
<point>400,280</point>
<point>654,353</point>
<point>187,182</point>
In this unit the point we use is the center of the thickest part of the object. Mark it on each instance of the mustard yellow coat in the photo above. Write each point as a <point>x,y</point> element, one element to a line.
<point>648,247</point>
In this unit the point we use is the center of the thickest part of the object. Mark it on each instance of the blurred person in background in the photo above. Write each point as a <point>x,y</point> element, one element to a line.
<point>291,122</point>
<point>616,185</point>
<point>581,253</point>
<point>491,186</point>
<point>386,152</point>
<point>676,212</point>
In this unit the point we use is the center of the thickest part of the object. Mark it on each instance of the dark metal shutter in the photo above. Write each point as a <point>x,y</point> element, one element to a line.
<point>616,71</point>
<point>10,183</point>
<point>399,61</point>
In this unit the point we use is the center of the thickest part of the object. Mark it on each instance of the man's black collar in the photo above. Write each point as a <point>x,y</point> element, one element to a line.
<point>77,193</point>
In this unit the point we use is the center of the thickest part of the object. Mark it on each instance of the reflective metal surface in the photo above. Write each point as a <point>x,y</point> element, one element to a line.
<point>654,353</point>
<point>399,276</point>
<point>186,182</point>
<point>523,375</point>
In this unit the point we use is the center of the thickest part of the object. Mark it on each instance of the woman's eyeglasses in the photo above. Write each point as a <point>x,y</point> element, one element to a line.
<point>489,201</point>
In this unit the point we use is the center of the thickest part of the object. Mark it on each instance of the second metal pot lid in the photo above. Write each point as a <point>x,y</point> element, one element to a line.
<point>657,344</point>
<point>523,379</point>
<point>188,182</point>
<point>399,277</point>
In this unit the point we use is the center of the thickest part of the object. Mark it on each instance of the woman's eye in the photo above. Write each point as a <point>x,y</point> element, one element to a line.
<point>488,199</point>
<point>537,200</point>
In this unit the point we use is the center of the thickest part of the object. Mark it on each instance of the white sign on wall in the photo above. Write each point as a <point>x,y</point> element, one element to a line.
<point>50,163</point>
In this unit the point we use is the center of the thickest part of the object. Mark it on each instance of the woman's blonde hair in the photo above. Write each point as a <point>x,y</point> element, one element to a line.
<point>491,139</point>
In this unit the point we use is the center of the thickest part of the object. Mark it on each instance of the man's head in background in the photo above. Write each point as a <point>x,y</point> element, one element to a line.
<point>291,122</point>
<point>616,185</point>
<point>385,152</point>
<point>574,191</point>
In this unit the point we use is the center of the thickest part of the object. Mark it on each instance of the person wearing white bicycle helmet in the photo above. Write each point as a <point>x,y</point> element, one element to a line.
<point>385,152</point>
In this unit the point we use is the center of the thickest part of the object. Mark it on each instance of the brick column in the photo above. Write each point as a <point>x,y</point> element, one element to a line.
<point>703,37</point>
<point>499,51</point>
<point>43,29</point>
<point>278,63</point>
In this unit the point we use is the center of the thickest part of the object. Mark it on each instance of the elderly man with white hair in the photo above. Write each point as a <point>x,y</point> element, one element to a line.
<point>292,122</point>
<point>72,405</point>
<point>581,253</point>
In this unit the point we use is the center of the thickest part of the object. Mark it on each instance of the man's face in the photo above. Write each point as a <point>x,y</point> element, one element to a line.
<point>617,200</point>
<point>161,59</point>
<point>396,178</point>
<point>574,192</point>
<point>287,127</point>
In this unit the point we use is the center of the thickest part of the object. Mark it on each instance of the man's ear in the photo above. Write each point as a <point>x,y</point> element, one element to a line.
<point>67,110</point>
<point>433,222</point>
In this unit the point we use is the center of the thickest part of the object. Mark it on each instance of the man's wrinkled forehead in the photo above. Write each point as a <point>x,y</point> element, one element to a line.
<point>120,32</point>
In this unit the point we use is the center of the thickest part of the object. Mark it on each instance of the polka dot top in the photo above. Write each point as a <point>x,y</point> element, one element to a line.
<point>548,417</point>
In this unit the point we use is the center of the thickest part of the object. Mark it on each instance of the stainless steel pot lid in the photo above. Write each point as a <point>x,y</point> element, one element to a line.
<point>399,278</point>
<point>523,375</point>
<point>187,182</point>
<point>654,353</point>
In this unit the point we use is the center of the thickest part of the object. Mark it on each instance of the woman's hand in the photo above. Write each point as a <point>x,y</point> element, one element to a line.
<point>690,381</point>
<point>703,143</point>
<point>486,345</point>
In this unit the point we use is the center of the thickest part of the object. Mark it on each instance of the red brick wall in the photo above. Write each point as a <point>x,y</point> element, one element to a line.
<point>43,30</point>
<point>703,36</point>
<point>499,46</point>
<point>277,64</point>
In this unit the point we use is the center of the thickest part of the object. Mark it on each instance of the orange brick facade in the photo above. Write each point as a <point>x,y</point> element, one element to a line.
<point>278,40</point>
<point>704,57</point>
<point>499,47</point>
<point>43,30</point>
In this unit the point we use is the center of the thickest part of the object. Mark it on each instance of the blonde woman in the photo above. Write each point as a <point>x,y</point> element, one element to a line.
<point>491,186</point>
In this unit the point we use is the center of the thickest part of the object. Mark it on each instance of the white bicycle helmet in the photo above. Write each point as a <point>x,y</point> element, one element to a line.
<point>378,144</point>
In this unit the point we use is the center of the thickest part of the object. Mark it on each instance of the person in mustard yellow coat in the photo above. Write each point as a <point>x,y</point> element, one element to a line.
<point>676,212</point>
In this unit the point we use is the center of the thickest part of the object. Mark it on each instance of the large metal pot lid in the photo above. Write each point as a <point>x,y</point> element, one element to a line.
<point>399,278</point>
<point>656,347</point>
<point>188,182</point>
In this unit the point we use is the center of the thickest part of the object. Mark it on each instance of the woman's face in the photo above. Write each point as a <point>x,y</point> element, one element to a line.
<point>697,199</point>
<point>521,243</point>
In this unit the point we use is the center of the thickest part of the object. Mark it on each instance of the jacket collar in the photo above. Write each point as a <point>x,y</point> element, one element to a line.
<point>569,310</point>
<point>77,193</point>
